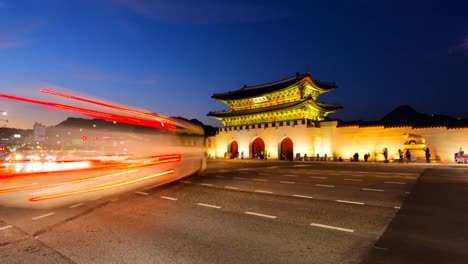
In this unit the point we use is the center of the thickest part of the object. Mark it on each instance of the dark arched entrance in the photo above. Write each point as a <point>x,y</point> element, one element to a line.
<point>287,149</point>
<point>258,149</point>
<point>234,149</point>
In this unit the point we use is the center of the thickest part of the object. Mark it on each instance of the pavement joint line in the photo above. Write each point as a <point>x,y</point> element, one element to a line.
<point>186,181</point>
<point>262,191</point>
<point>262,180</point>
<point>239,178</point>
<point>302,196</point>
<point>372,190</point>
<point>142,193</point>
<point>317,177</point>
<point>5,227</point>
<point>391,182</point>
<point>231,187</point>
<point>207,184</point>
<point>76,205</point>
<point>169,198</point>
<point>325,185</point>
<point>353,180</point>
<point>262,215</point>
<point>350,202</point>
<point>209,205</point>
<point>287,182</point>
<point>42,216</point>
<point>333,227</point>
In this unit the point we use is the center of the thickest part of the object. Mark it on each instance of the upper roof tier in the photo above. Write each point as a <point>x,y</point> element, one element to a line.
<point>253,91</point>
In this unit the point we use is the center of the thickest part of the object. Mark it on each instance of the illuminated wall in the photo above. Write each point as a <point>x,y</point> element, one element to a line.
<point>343,141</point>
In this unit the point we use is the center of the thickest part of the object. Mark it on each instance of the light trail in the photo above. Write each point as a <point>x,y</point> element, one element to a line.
<point>105,187</point>
<point>96,113</point>
<point>115,107</point>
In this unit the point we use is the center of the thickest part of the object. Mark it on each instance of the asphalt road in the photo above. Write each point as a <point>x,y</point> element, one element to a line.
<point>256,212</point>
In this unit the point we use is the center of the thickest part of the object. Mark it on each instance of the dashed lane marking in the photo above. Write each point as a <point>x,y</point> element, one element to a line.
<point>142,193</point>
<point>325,185</point>
<point>42,216</point>
<point>372,190</point>
<point>262,215</point>
<point>95,198</point>
<point>239,178</point>
<point>379,176</point>
<point>262,191</point>
<point>260,180</point>
<point>186,181</point>
<point>287,182</point>
<point>333,227</point>
<point>397,207</point>
<point>357,180</point>
<point>169,198</point>
<point>232,187</point>
<point>302,196</point>
<point>317,177</point>
<point>5,227</point>
<point>207,184</point>
<point>290,175</point>
<point>209,205</point>
<point>76,205</point>
<point>350,202</point>
<point>392,182</point>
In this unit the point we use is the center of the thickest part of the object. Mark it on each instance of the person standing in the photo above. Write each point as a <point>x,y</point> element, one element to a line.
<point>408,156</point>
<point>400,156</point>
<point>385,154</point>
<point>428,155</point>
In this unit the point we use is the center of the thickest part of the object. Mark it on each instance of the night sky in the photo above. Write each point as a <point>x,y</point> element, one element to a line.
<point>170,56</point>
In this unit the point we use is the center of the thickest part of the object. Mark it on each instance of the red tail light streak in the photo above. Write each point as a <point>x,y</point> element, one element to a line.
<point>96,113</point>
<point>47,197</point>
<point>115,107</point>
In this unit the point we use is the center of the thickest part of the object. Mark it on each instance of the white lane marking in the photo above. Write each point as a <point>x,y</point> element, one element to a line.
<point>392,182</point>
<point>303,196</point>
<point>239,178</point>
<point>47,190</point>
<point>357,180</point>
<point>96,198</point>
<point>42,216</point>
<point>209,205</point>
<point>287,182</point>
<point>397,207</point>
<point>261,180</point>
<point>262,215</point>
<point>362,172</point>
<point>206,184</point>
<point>262,191</point>
<point>382,173</point>
<point>142,193</point>
<point>386,177</point>
<point>76,205</point>
<point>317,177</point>
<point>219,176</point>
<point>290,175</point>
<point>169,198</point>
<point>411,178</point>
<point>223,171</point>
<point>186,181</point>
<point>333,227</point>
<point>350,202</point>
<point>325,185</point>
<point>5,227</point>
<point>231,187</point>
<point>372,190</point>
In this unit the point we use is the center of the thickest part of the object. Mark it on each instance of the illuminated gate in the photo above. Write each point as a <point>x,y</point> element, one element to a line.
<point>258,149</point>
<point>287,151</point>
<point>234,149</point>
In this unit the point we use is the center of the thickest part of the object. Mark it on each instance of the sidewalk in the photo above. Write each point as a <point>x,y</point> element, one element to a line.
<point>431,226</point>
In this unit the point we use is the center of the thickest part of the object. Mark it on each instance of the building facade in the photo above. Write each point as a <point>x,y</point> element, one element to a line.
<point>283,120</point>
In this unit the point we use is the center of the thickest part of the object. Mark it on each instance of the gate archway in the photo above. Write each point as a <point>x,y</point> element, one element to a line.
<point>234,149</point>
<point>258,149</point>
<point>287,149</point>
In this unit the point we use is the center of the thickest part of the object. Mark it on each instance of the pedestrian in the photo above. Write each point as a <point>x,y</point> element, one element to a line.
<point>242,155</point>
<point>428,155</point>
<point>400,156</point>
<point>366,156</point>
<point>408,156</point>
<point>385,154</point>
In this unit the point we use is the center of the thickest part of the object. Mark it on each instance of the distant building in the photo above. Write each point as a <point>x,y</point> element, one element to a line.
<point>283,120</point>
<point>39,132</point>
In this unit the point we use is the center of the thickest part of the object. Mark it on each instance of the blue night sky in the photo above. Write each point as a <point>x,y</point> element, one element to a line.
<point>170,56</point>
